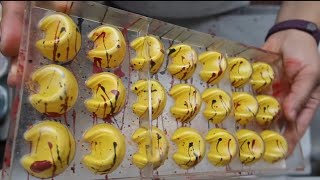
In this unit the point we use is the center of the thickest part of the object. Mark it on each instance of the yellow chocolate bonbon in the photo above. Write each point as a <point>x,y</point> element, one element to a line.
<point>158,98</point>
<point>184,61</point>
<point>214,66</point>
<point>223,147</point>
<point>52,150</point>
<point>62,39</point>
<point>218,104</point>
<point>276,146</point>
<point>191,147</point>
<point>108,94</point>
<point>109,47</point>
<point>187,102</point>
<point>262,76</point>
<point>149,49</point>
<point>57,92</point>
<point>240,71</point>
<point>251,146</point>
<point>245,107</point>
<point>269,108</point>
<point>108,148</point>
<point>160,147</point>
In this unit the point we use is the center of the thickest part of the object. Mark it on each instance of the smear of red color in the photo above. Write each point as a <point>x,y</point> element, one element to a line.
<point>94,118</point>
<point>97,65</point>
<point>65,119</point>
<point>277,88</point>
<point>15,106</point>
<point>171,82</point>
<point>292,63</point>
<point>119,72</point>
<point>108,119</point>
<point>50,145</point>
<point>40,166</point>
<point>7,158</point>
<point>53,114</point>
<point>125,29</point>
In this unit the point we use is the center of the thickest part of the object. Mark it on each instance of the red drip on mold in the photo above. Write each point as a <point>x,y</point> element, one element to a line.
<point>40,166</point>
<point>119,72</point>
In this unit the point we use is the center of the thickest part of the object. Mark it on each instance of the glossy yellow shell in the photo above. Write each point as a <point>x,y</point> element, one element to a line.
<point>53,149</point>
<point>262,76</point>
<point>240,71</point>
<point>223,147</point>
<point>190,147</point>
<point>107,146</point>
<point>276,146</point>
<point>149,49</point>
<point>214,66</point>
<point>158,98</point>
<point>187,102</point>
<point>245,107</point>
<point>108,94</point>
<point>55,90</point>
<point>62,40</point>
<point>184,61</point>
<point>218,104</point>
<point>160,147</point>
<point>109,47</point>
<point>251,146</point>
<point>269,108</point>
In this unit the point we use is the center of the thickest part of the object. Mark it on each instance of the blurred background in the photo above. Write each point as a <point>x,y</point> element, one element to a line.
<point>248,25</point>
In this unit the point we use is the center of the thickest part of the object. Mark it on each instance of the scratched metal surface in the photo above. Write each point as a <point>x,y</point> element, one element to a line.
<point>79,119</point>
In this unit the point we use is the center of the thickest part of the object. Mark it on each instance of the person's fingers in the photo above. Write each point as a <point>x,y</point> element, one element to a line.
<point>271,45</point>
<point>12,76</point>
<point>291,136</point>
<point>295,130</point>
<point>11,24</point>
<point>12,21</point>
<point>302,86</point>
<point>309,111</point>
<point>11,30</point>
<point>61,6</point>
<point>11,27</point>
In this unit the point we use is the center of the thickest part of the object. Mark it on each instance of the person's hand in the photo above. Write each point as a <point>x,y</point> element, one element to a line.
<point>301,63</point>
<point>11,30</point>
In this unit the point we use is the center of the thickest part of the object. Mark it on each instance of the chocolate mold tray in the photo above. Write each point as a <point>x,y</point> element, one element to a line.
<point>78,120</point>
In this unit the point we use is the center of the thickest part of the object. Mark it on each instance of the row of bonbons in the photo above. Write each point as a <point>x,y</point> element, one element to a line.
<point>53,148</point>
<point>58,93</point>
<point>62,42</point>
